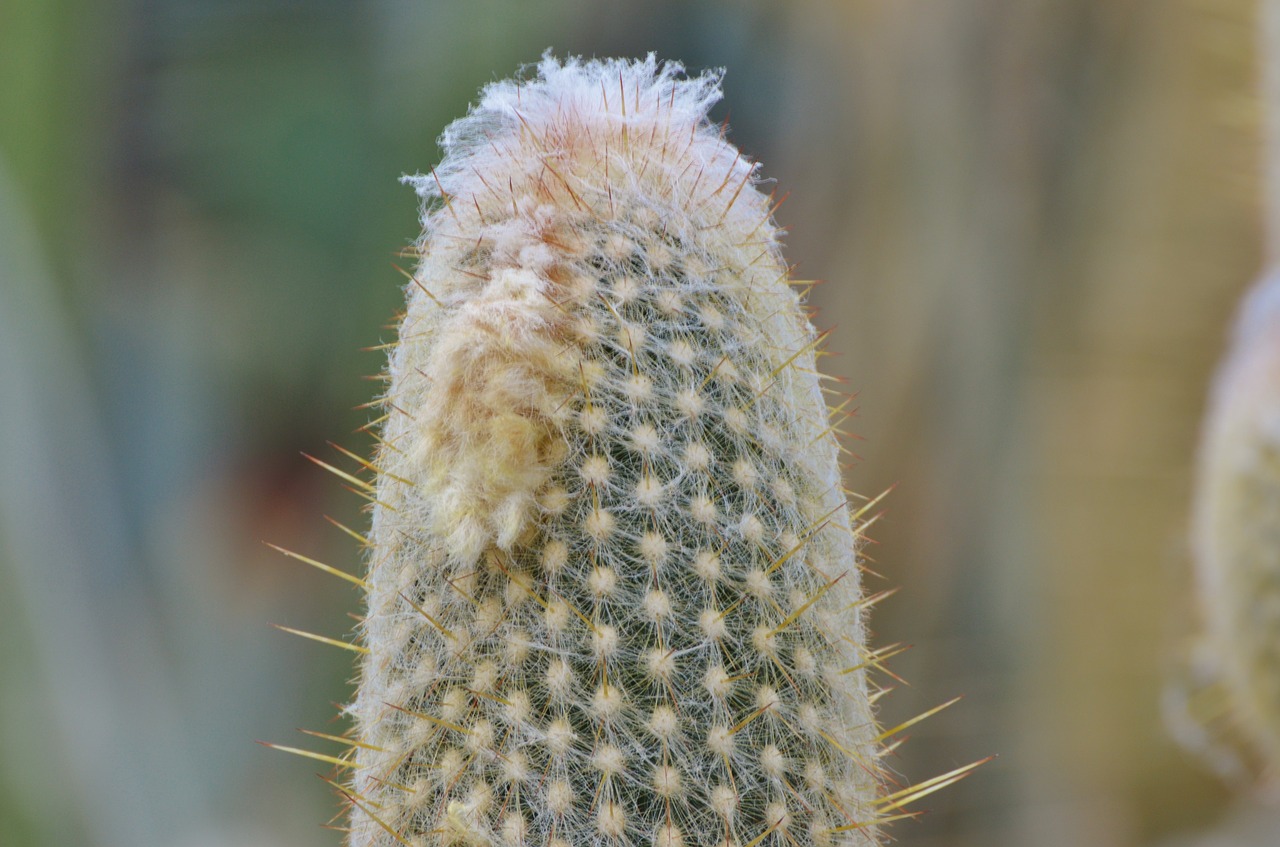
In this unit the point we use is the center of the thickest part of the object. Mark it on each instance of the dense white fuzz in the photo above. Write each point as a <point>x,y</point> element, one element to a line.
<point>690,403</point>
<point>663,722</point>
<point>757,583</point>
<point>653,548</point>
<point>559,676</point>
<point>609,760</point>
<point>773,761</point>
<point>639,389</point>
<point>668,835</point>
<point>815,775</point>
<point>554,500</point>
<point>707,565</point>
<point>604,640</point>
<point>724,801</point>
<point>602,581</point>
<point>660,663</point>
<point>696,456</point>
<point>593,420</point>
<point>560,736</point>
<point>517,710</point>
<point>744,473</point>
<point>648,491</point>
<point>554,556</point>
<point>644,439</point>
<point>762,640</point>
<point>668,301</point>
<point>767,698</point>
<point>480,736</point>
<point>681,352</point>
<point>703,509</point>
<point>666,781</point>
<point>712,622</point>
<point>751,528</point>
<point>607,702</point>
<point>720,740</point>
<point>657,605</point>
<point>559,796</point>
<point>599,524</point>
<point>515,766</point>
<point>514,828</point>
<point>595,470</point>
<point>611,819</point>
<point>555,620</point>
<point>613,582</point>
<point>483,676</point>
<point>716,681</point>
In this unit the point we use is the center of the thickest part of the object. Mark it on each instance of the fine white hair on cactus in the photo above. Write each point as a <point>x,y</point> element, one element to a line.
<point>613,590</point>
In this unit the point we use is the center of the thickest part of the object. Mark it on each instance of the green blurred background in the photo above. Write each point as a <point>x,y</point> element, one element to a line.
<point>1033,218</point>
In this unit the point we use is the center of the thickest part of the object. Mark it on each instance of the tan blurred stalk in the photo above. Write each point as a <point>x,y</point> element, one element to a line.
<point>1233,527</point>
<point>1057,205</point>
<point>1269,39</point>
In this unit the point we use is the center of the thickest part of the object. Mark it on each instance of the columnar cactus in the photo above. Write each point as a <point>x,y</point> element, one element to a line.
<point>613,584</point>
<point>1230,710</point>
<point>1237,528</point>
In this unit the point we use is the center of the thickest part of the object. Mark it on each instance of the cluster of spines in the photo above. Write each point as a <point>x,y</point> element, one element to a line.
<point>613,593</point>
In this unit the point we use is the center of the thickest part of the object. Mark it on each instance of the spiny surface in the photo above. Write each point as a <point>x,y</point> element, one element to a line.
<point>613,591</point>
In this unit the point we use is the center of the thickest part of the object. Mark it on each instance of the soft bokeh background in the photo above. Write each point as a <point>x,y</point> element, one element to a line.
<point>1033,217</point>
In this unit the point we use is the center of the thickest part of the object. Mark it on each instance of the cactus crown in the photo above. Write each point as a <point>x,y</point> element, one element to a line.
<point>613,590</point>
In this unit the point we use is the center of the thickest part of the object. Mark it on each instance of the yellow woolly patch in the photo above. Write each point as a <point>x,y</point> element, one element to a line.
<point>483,429</point>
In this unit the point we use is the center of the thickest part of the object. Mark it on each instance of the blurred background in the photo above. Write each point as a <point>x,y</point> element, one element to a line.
<point>1033,218</point>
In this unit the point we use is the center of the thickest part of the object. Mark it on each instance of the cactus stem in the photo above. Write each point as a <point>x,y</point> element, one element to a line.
<point>614,590</point>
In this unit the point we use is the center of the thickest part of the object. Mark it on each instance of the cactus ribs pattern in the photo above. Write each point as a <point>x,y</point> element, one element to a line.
<point>613,588</point>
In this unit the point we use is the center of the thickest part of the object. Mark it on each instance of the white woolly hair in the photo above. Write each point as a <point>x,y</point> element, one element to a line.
<point>586,121</point>
<point>609,98</point>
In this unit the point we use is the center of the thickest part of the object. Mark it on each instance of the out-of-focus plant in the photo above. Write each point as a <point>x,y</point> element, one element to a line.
<point>1231,707</point>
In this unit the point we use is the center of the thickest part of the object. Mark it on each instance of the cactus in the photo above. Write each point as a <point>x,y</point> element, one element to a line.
<point>1236,542</point>
<point>1225,705</point>
<point>613,590</point>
